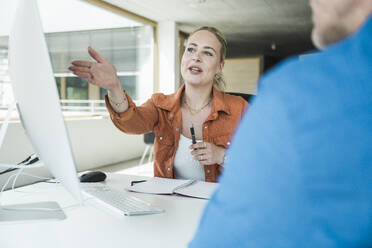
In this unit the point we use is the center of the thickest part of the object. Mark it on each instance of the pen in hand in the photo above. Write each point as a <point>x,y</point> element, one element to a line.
<point>192,131</point>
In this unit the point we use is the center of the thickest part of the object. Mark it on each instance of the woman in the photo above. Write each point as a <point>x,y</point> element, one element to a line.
<point>213,114</point>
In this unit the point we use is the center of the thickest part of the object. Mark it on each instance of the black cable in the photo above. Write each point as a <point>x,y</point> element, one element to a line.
<point>27,161</point>
<point>32,161</point>
<point>7,170</point>
<point>24,161</point>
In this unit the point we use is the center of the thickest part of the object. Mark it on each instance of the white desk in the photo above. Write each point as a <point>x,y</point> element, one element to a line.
<point>94,226</point>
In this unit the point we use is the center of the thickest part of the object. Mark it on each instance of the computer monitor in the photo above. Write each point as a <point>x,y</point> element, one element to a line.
<point>35,91</point>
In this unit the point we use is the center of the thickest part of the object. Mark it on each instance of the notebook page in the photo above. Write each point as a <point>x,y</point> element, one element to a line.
<point>157,185</point>
<point>198,189</point>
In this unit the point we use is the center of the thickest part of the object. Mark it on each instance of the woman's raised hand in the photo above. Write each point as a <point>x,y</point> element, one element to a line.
<point>99,72</point>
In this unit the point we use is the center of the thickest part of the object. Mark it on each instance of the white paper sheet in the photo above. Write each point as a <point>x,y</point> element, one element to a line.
<point>198,189</point>
<point>157,185</point>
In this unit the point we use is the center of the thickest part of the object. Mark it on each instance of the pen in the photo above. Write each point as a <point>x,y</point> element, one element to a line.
<point>192,131</point>
<point>134,182</point>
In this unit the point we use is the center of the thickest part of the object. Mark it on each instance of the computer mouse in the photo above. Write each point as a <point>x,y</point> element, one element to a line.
<point>93,177</point>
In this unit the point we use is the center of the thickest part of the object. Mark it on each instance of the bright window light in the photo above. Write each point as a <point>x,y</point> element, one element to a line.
<point>66,15</point>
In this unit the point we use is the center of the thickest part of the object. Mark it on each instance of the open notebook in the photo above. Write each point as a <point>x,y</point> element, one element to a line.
<point>192,188</point>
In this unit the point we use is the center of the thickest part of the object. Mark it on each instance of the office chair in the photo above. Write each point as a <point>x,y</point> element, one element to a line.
<point>248,97</point>
<point>148,138</point>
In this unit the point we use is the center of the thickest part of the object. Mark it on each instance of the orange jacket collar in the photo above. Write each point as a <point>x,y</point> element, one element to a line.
<point>172,102</point>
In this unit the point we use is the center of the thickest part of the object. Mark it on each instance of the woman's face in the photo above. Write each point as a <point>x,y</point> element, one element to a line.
<point>201,60</point>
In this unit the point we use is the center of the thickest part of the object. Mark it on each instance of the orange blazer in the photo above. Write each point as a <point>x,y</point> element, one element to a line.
<point>162,115</point>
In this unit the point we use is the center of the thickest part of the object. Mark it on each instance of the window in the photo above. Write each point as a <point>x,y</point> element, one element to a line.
<point>76,89</point>
<point>129,84</point>
<point>6,95</point>
<point>128,44</point>
<point>129,49</point>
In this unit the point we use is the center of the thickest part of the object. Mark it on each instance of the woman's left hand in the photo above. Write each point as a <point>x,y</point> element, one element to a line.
<point>207,153</point>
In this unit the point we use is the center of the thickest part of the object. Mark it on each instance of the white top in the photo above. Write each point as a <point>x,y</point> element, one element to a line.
<point>184,164</point>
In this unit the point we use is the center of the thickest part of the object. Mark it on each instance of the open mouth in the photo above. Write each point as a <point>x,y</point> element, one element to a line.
<point>195,69</point>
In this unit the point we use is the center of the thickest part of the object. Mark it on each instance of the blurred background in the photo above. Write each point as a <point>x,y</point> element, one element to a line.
<point>145,40</point>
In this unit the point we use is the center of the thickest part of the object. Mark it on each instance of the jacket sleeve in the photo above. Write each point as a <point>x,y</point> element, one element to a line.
<point>136,119</point>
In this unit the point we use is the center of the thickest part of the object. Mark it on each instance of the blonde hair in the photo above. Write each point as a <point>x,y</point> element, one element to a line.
<point>218,79</point>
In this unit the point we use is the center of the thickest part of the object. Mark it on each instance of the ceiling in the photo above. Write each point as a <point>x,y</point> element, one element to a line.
<point>252,27</point>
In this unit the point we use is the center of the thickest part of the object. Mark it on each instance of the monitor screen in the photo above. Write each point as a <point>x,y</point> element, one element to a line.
<point>35,91</point>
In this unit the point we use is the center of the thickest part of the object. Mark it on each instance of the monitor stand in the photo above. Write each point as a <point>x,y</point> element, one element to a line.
<point>28,211</point>
<point>37,211</point>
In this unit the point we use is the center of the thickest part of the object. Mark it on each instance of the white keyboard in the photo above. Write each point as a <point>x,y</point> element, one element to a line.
<point>119,200</point>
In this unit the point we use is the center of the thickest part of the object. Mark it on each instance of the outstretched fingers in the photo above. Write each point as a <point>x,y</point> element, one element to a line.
<point>95,55</point>
<point>82,63</point>
<point>84,75</point>
<point>79,69</point>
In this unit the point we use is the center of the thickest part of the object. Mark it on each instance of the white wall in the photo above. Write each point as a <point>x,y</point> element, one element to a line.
<point>145,62</point>
<point>169,71</point>
<point>95,143</point>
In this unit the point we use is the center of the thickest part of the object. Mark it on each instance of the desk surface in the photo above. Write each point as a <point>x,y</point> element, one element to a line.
<point>92,225</point>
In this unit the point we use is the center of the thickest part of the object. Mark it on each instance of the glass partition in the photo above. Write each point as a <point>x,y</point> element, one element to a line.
<point>129,48</point>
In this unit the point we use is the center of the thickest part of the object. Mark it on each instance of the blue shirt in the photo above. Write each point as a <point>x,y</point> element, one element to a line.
<point>300,168</point>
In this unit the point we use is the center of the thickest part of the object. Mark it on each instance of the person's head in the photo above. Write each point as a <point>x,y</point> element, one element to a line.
<point>334,20</point>
<point>204,57</point>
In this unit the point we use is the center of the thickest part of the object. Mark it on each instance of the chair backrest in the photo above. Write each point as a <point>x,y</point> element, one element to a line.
<point>248,97</point>
<point>149,138</point>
